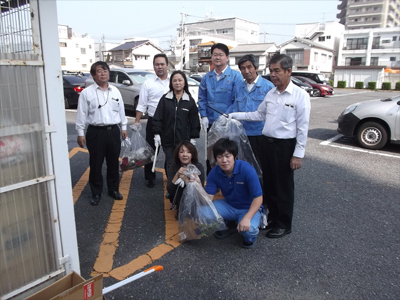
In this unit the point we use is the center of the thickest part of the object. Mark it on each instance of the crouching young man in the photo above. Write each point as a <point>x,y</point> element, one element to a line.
<point>241,189</point>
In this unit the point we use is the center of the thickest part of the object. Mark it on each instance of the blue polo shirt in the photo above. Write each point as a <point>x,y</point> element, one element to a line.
<point>240,189</point>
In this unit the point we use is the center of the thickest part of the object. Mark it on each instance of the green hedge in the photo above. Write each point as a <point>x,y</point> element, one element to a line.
<point>397,86</point>
<point>331,82</point>
<point>359,84</point>
<point>372,85</point>
<point>341,84</point>
<point>386,85</point>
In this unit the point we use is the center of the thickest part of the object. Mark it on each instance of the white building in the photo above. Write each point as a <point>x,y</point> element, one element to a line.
<point>369,55</point>
<point>262,51</point>
<point>229,31</point>
<point>102,50</point>
<point>76,50</point>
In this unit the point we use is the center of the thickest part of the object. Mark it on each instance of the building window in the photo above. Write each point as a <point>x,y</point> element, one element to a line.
<point>321,39</point>
<point>90,46</point>
<point>84,65</point>
<point>297,57</point>
<point>355,61</point>
<point>323,58</point>
<point>328,37</point>
<point>386,41</point>
<point>83,50</point>
<point>62,44</point>
<point>374,61</point>
<point>63,62</point>
<point>141,57</point>
<point>392,58</point>
<point>315,56</point>
<point>224,31</point>
<point>375,42</point>
<point>357,44</point>
<point>394,38</point>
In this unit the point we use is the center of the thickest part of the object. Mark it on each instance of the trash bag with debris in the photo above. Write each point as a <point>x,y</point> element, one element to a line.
<point>233,130</point>
<point>198,216</point>
<point>135,152</point>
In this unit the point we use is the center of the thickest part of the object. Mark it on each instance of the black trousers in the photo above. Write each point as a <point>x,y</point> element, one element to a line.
<point>169,159</point>
<point>278,179</point>
<point>103,142</point>
<point>256,143</point>
<point>148,174</point>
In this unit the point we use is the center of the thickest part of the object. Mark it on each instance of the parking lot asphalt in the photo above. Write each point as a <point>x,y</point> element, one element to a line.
<point>344,242</point>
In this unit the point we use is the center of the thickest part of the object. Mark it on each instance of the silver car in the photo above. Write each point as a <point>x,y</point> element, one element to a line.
<point>373,123</point>
<point>128,81</point>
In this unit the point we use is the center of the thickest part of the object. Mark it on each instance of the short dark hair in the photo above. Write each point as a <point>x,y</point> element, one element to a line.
<point>220,46</point>
<point>248,57</point>
<point>160,55</point>
<point>225,145</point>
<point>103,65</point>
<point>192,149</point>
<point>284,60</point>
<point>185,88</point>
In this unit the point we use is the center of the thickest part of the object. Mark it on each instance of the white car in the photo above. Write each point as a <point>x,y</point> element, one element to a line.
<point>193,88</point>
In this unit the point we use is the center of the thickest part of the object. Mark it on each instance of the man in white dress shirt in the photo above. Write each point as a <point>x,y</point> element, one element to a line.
<point>150,94</point>
<point>101,107</point>
<point>286,112</point>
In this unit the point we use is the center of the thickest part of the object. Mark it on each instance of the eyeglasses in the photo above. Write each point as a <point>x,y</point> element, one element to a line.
<point>101,71</point>
<point>218,54</point>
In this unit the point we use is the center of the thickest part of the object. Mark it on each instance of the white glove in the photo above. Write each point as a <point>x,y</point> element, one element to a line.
<point>180,182</point>
<point>204,123</point>
<point>157,140</point>
<point>193,142</point>
<point>236,116</point>
<point>136,126</point>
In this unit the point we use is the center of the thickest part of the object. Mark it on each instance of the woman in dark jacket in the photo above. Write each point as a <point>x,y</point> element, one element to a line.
<point>185,153</point>
<point>176,118</point>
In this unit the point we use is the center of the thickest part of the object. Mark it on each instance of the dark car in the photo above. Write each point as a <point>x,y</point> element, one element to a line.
<point>373,122</point>
<point>198,77</point>
<point>317,77</point>
<point>308,88</point>
<point>320,90</point>
<point>73,86</point>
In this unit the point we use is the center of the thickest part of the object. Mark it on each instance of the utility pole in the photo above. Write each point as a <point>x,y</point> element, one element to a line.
<point>102,47</point>
<point>182,39</point>
<point>264,33</point>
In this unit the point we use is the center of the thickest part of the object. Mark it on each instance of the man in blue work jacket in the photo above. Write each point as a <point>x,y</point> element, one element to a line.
<point>217,88</point>
<point>250,93</point>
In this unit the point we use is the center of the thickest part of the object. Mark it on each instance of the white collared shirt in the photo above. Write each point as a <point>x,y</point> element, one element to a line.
<point>111,112</point>
<point>286,115</point>
<point>150,94</point>
<point>250,85</point>
<point>220,74</point>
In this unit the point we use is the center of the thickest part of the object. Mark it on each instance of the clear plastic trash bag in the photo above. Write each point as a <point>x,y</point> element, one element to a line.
<point>135,152</point>
<point>233,130</point>
<point>198,216</point>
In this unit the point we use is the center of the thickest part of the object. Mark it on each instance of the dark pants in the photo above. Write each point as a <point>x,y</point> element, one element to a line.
<point>256,143</point>
<point>169,158</point>
<point>148,174</point>
<point>278,180</point>
<point>103,142</point>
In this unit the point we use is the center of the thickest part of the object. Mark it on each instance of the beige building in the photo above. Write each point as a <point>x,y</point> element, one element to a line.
<point>364,14</point>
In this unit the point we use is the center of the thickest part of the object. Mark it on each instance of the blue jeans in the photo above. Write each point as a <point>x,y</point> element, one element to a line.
<point>230,213</point>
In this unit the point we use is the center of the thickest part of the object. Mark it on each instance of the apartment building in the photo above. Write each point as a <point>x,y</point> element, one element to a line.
<point>363,14</point>
<point>76,50</point>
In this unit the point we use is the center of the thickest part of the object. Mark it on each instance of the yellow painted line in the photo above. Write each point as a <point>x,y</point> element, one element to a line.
<point>76,150</point>
<point>171,242</point>
<point>82,182</point>
<point>109,245</point>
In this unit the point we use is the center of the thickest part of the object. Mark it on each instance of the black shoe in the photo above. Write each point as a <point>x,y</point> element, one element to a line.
<point>95,200</point>
<point>116,195</point>
<point>150,183</point>
<point>278,232</point>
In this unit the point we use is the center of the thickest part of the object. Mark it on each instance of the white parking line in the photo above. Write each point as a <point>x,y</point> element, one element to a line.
<point>341,95</point>
<point>335,138</point>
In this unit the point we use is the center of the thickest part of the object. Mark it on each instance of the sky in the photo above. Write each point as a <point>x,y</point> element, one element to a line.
<point>117,20</point>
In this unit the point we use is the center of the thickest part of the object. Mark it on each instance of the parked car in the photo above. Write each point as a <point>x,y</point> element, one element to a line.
<point>305,86</point>
<point>73,86</point>
<point>373,123</point>
<point>193,88</point>
<point>320,90</point>
<point>198,77</point>
<point>128,82</point>
<point>317,77</point>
